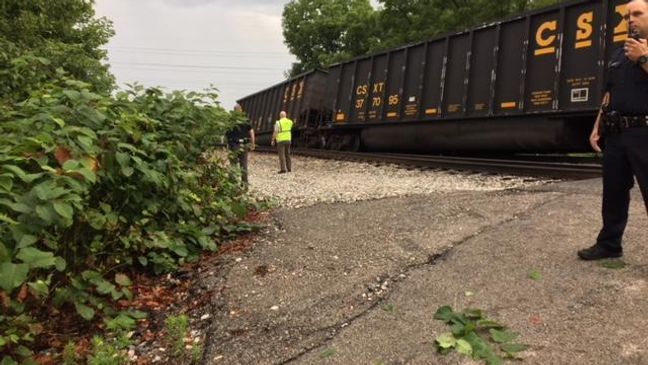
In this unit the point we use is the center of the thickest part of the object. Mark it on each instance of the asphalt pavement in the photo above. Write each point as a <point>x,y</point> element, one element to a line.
<point>359,283</point>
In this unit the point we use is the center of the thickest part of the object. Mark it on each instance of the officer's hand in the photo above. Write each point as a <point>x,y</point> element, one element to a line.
<point>635,48</point>
<point>272,143</point>
<point>594,141</point>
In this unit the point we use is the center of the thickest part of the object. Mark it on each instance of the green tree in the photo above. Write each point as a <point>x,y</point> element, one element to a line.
<point>322,32</point>
<point>408,21</point>
<point>40,38</point>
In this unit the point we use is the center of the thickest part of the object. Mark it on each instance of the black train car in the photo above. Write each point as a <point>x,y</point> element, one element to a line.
<point>531,83</point>
<point>301,97</point>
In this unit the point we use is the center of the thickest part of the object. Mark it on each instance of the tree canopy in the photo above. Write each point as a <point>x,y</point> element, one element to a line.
<point>39,38</point>
<point>322,32</point>
<point>407,21</point>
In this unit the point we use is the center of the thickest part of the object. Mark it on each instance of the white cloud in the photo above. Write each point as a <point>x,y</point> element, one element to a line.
<point>237,46</point>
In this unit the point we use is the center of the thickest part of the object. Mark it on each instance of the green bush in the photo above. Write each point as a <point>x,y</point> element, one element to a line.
<point>94,186</point>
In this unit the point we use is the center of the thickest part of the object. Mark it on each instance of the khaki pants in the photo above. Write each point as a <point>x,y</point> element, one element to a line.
<point>283,148</point>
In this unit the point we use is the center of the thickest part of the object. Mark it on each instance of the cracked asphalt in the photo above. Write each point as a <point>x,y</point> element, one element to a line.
<point>359,283</point>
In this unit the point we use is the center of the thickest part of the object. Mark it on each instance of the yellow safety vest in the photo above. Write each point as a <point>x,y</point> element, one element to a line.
<point>285,125</point>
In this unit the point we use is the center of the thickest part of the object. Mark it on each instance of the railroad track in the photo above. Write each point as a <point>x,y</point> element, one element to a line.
<point>515,165</point>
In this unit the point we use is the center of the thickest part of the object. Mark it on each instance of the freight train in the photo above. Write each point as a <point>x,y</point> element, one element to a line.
<point>527,84</point>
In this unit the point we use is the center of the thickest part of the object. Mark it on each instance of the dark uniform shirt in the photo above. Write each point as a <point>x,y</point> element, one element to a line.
<point>627,84</point>
<point>239,135</point>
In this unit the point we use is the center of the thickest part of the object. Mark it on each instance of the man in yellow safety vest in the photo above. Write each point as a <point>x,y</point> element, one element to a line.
<point>282,136</point>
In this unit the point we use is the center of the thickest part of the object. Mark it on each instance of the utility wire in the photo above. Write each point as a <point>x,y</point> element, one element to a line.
<point>204,83</point>
<point>214,82</point>
<point>209,72</point>
<point>209,55</point>
<point>179,50</point>
<point>197,66</point>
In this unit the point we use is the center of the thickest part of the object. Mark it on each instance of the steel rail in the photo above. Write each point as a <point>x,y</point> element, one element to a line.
<point>516,165</point>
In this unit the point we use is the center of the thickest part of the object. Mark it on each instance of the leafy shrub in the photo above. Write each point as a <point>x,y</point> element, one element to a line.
<point>108,351</point>
<point>93,186</point>
<point>474,335</point>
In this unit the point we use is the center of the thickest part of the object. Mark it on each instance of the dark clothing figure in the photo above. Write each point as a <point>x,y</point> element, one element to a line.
<point>283,148</point>
<point>627,84</point>
<point>239,157</point>
<point>238,139</point>
<point>239,135</point>
<point>625,132</point>
<point>626,153</point>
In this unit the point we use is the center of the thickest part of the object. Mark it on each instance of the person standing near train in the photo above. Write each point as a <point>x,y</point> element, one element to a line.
<point>240,140</point>
<point>623,123</point>
<point>282,137</point>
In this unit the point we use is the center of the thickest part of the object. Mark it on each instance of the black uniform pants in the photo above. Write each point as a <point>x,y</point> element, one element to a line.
<point>625,155</point>
<point>239,157</point>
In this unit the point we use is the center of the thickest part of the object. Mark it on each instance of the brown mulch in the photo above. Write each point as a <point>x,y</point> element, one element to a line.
<point>160,297</point>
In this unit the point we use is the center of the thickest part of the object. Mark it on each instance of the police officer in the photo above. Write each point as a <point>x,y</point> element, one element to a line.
<point>239,139</point>
<point>623,121</point>
<point>282,136</point>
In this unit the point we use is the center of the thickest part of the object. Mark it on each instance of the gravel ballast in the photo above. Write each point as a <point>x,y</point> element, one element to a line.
<point>327,181</point>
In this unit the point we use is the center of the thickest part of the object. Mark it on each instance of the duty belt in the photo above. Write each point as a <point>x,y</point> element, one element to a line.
<point>615,122</point>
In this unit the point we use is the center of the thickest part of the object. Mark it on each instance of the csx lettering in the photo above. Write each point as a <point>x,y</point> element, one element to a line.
<point>378,87</point>
<point>545,38</point>
<point>294,91</point>
<point>621,30</point>
<point>359,103</point>
<point>585,30</point>
<point>393,99</point>
<point>376,101</point>
<point>362,90</point>
<point>301,88</point>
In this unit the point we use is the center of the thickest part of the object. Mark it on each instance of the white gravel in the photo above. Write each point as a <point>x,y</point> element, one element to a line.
<point>316,181</point>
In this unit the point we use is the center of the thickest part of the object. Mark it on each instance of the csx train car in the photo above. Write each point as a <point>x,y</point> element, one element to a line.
<point>532,83</point>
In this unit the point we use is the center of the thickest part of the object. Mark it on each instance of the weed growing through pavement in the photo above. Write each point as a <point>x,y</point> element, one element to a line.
<point>177,328</point>
<point>535,275</point>
<point>327,353</point>
<point>69,354</point>
<point>613,264</point>
<point>196,353</point>
<point>109,351</point>
<point>474,335</point>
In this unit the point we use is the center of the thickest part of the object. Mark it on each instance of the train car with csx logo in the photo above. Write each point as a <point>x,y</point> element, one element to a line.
<point>531,83</point>
<point>301,97</point>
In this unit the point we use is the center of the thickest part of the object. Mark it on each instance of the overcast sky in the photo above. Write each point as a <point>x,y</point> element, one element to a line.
<point>189,44</point>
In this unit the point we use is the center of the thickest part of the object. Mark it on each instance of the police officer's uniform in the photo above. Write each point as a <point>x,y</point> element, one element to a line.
<point>625,134</point>
<point>238,139</point>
